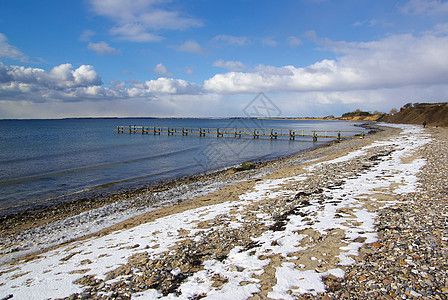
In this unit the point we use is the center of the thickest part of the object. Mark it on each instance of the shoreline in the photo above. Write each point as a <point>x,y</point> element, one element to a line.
<point>311,217</point>
<point>102,191</point>
<point>127,205</point>
<point>42,213</point>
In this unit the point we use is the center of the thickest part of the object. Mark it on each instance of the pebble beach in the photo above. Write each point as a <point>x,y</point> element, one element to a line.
<point>359,219</point>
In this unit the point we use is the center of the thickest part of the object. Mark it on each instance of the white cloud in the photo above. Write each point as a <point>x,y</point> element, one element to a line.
<point>166,105</point>
<point>266,71</point>
<point>231,40</point>
<point>269,42</point>
<point>191,47</point>
<point>373,75</point>
<point>102,48</point>
<point>136,20</point>
<point>134,33</point>
<point>373,23</point>
<point>322,103</point>
<point>9,51</point>
<point>66,84</point>
<point>172,86</point>
<point>86,35</point>
<point>425,7</point>
<point>439,29</point>
<point>293,41</point>
<point>160,69</point>
<point>85,75</point>
<point>250,82</point>
<point>395,61</point>
<point>317,103</point>
<point>369,23</point>
<point>230,65</point>
<point>189,71</point>
<point>17,82</point>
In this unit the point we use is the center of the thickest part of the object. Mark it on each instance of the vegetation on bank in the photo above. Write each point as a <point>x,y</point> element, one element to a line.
<point>434,114</point>
<point>359,115</point>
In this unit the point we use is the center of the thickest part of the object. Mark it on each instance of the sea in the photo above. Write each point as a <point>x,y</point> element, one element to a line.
<point>45,162</point>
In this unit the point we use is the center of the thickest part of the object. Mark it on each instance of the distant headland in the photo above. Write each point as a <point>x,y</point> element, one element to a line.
<point>434,114</point>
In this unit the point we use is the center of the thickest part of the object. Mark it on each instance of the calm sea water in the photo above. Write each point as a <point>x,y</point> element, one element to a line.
<point>46,161</point>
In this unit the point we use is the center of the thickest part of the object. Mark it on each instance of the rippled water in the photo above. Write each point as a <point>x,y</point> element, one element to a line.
<point>43,161</point>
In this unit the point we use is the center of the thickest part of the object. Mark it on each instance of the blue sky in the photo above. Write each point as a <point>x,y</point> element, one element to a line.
<point>203,58</point>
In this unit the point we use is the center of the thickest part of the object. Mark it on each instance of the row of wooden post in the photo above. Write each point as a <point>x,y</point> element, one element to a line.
<point>273,135</point>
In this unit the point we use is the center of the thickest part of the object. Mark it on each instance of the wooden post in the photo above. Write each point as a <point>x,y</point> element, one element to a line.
<point>256,133</point>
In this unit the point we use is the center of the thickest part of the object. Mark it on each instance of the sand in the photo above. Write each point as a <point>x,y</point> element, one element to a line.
<point>290,228</point>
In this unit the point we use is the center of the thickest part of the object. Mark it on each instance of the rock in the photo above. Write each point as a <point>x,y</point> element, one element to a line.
<point>376,245</point>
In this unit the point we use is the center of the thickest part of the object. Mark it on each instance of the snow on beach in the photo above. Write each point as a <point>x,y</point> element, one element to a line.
<point>92,221</point>
<point>286,249</point>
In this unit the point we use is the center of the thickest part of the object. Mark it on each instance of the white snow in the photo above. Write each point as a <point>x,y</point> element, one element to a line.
<point>95,220</point>
<point>51,275</point>
<point>299,282</point>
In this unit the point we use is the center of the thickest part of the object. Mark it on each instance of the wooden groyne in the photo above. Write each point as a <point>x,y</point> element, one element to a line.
<point>240,132</point>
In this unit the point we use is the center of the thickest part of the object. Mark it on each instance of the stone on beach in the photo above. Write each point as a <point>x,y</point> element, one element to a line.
<point>368,221</point>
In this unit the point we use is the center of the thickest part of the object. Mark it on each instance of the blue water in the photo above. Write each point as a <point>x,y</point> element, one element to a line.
<point>46,161</point>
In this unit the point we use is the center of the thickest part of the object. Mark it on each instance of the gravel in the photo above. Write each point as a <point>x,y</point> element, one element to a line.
<point>403,256</point>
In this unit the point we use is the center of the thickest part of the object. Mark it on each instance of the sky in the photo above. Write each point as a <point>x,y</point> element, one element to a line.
<point>215,58</point>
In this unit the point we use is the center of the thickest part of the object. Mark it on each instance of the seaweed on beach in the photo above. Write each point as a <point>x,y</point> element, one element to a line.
<point>282,220</point>
<point>306,194</point>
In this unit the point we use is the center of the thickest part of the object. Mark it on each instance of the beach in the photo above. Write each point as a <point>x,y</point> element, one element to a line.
<point>363,218</point>
<point>52,162</point>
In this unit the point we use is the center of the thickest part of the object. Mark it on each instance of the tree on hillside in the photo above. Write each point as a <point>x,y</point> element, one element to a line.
<point>356,113</point>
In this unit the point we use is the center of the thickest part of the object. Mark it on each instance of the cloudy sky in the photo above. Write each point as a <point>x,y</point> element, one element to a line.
<point>201,58</point>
